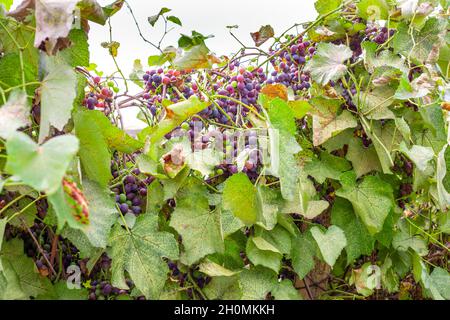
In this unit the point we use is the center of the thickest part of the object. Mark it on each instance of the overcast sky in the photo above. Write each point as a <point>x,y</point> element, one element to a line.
<point>204,16</point>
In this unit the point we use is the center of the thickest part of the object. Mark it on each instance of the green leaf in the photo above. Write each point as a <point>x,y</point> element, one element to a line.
<point>306,200</point>
<point>156,60</point>
<point>365,279</point>
<point>223,288</point>
<point>302,254</point>
<point>102,213</point>
<point>364,160</point>
<point>328,166</point>
<point>372,200</point>
<point>326,6</point>
<point>7,4</point>
<point>175,20</point>
<point>140,252</point>
<point>299,108</point>
<point>328,62</point>
<point>23,278</point>
<point>2,232</point>
<point>386,139</point>
<point>440,283</point>
<point>205,161</point>
<point>137,74</point>
<point>422,45</point>
<point>433,134</point>
<point>94,154</point>
<point>63,208</point>
<point>60,291</point>
<point>177,113</point>
<point>265,258</point>
<point>197,57</point>
<point>389,277</point>
<point>277,239</point>
<point>256,283</point>
<point>421,156</point>
<point>230,223</point>
<point>78,52</point>
<point>285,290</point>
<point>266,248</point>
<point>326,120</point>
<point>268,201</point>
<point>359,241</point>
<point>374,104</point>
<point>199,228</point>
<point>14,114</point>
<point>195,39</point>
<point>213,269</point>
<point>153,19</point>
<point>418,88</point>
<point>231,256</point>
<point>86,249</point>
<point>155,198</point>
<point>330,243</point>
<point>239,196</point>
<point>442,176</point>
<point>115,138</point>
<point>40,166</point>
<point>26,217</point>
<point>10,75</point>
<point>383,63</point>
<point>58,90</point>
<point>403,127</point>
<point>91,10</point>
<point>404,238</point>
<point>373,9</point>
<point>283,145</point>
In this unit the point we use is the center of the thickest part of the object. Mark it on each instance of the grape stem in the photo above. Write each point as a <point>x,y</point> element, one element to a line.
<point>197,288</point>
<point>38,245</point>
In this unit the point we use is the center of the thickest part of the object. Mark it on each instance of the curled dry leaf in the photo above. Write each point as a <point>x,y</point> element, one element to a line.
<point>53,21</point>
<point>174,161</point>
<point>275,91</point>
<point>264,34</point>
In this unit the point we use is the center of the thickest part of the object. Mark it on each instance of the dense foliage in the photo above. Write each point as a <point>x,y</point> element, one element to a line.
<point>316,169</point>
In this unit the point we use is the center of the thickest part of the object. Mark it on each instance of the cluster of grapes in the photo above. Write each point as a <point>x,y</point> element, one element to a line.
<point>102,290</point>
<point>200,280</point>
<point>100,96</point>
<point>242,85</point>
<point>131,193</point>
<point>39,231</point>
<point>378,35</point>
<point>348,94</point>
<point>288,66</point>
<point>172,84</point>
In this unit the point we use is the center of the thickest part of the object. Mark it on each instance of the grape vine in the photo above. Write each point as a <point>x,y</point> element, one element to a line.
<point>315,169</point>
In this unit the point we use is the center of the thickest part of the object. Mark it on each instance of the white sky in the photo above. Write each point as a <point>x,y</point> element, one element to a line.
<point>206,17</point>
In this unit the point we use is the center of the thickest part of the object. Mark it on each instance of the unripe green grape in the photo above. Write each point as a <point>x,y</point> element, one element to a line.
<point>185,126</point>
